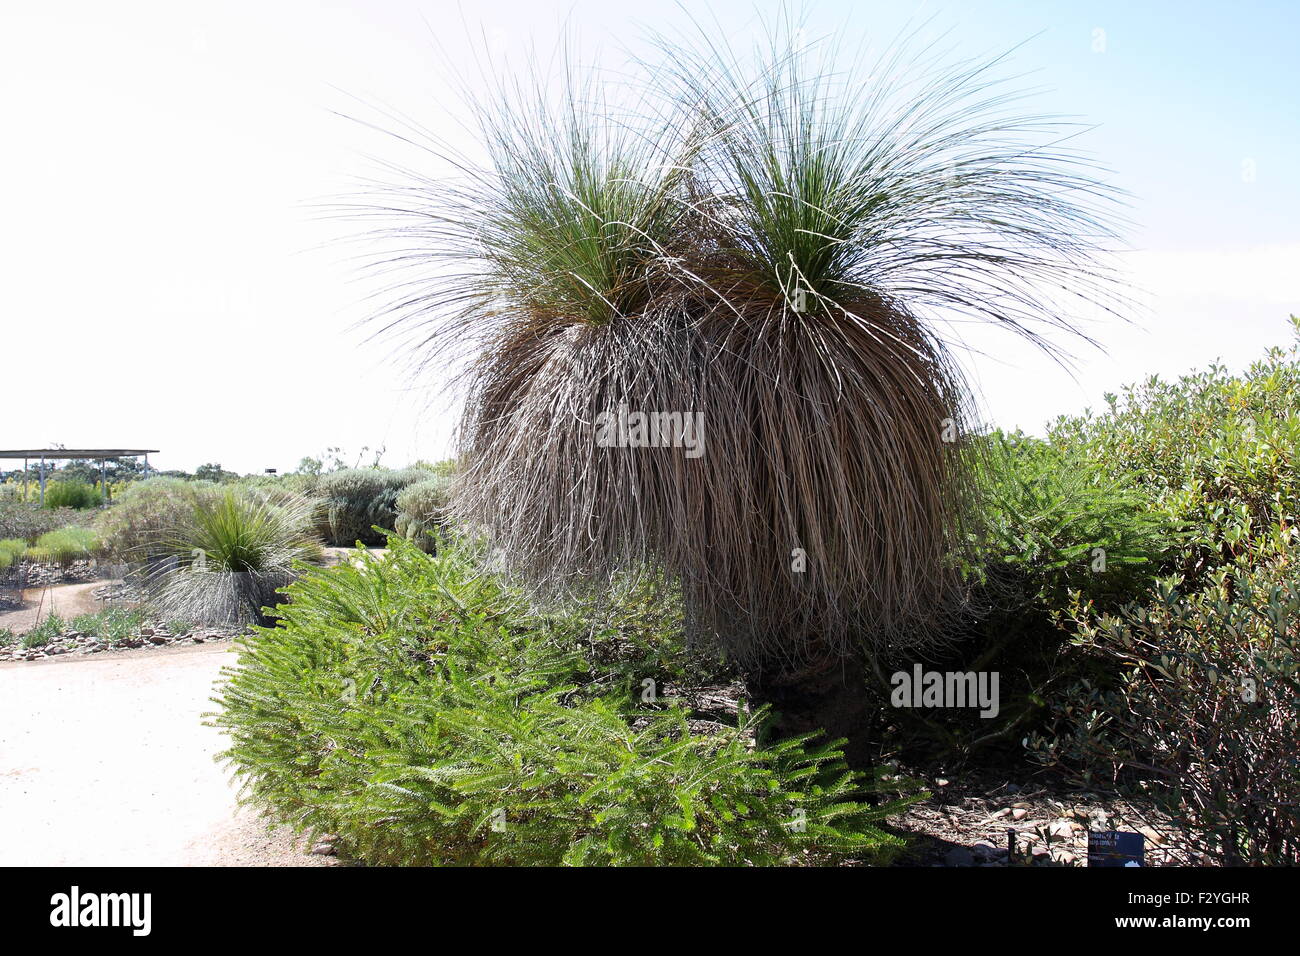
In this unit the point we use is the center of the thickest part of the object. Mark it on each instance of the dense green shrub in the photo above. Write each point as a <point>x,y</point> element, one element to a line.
<point>413,706</point>
<point>65,546</point>
<point>71,494</point>
<point>421,509</point>
<point>1217,454</point>
<point>1055,525</point>
<point>357,500</point>
<point>1155,692</point>
<point>1057,522</point>
<point>296,484</point>
<point>1205,716</point>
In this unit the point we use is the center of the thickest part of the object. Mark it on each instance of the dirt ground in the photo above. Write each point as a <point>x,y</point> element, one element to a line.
<point>66,600</point>
<point>105,761</point>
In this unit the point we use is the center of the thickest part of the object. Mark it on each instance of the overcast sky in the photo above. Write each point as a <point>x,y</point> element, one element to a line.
<point>165,282</point>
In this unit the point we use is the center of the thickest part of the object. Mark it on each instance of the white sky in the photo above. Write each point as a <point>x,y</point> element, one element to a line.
<point>161,277</point>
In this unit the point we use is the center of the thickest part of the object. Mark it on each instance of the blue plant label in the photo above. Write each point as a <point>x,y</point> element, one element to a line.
<point>1115,848</point>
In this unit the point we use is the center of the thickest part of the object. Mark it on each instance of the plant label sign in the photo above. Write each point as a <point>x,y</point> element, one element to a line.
<point>1115,848</point>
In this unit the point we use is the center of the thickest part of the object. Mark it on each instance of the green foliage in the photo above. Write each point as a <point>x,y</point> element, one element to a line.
<point>421,509</point>
<point>239,548</point>
<point>135,526</point>
<point>7,637</point>
<point>1215,453</point>
<point>11,550</point>
<point>111,624</point>
<point>1205,712</point>
<point>243,532</point>
<point>1151,693</point>
<point>47,630</point>
<point>427,715</point>
<point>65,546</point>
<point>69,493</point>
<point>215,473</point>
<point>1057,522</point>
<point>356,500</point>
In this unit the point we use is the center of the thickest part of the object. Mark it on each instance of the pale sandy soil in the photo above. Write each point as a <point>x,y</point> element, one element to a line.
<point>66,600</point>
<point>105,761</point>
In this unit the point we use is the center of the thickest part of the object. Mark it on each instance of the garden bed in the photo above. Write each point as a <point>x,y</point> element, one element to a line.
<point>111,631</point>
<point>966,822</point>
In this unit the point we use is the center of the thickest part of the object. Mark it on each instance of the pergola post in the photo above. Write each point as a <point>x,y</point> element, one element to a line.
<point>103,482</point>
<point>42,480</point>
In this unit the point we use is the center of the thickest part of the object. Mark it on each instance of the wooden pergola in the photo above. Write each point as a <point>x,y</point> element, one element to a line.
<point>76,454</point>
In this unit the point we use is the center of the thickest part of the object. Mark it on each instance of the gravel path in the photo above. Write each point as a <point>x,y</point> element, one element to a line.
<point>105,761</point>
<point>66,600</point>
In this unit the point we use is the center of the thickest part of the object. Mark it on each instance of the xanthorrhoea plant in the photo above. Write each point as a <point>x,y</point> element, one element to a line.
<point>239,548</point>
<point>771,257</point>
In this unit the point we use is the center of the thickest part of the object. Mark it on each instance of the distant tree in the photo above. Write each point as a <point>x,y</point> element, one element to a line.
<point>213,472</point>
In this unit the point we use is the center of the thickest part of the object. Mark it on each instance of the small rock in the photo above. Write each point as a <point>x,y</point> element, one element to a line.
<point>1019,813</point>
<point>323,849</point>
<point>940,782</point>
<point>157,639</point>
<point>986,851</point>
<point>146,632</point>
<point>1013,788</point>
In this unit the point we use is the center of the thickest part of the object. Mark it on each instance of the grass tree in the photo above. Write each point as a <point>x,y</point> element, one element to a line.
<point>238,549</point>
<point>776,245</point>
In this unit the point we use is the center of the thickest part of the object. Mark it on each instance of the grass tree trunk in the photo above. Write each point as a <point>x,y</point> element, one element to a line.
<point>828,694</point>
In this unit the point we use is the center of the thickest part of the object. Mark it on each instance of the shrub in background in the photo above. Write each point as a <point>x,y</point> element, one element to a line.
<point>71,494</point>
<point>135,526</point>
<point>65,546</point>
<point>1205,716</point>
<point>356,500</point>
<point>11,549</point>
<point>422,712</point>
<point>422,508</point>
<point>26,520</point>
<point>1218,454</point>
<point>1055,524</point>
